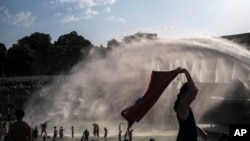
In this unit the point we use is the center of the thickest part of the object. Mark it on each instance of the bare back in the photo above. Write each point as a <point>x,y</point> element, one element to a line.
<point>20,131</point>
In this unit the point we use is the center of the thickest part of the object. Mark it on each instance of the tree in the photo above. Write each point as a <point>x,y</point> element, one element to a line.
<point>19,60</point>
<point>72,39</point>
<point>3,51</point>
<point>39,43</point>
<point>112,43</point>
<point>72,48</point>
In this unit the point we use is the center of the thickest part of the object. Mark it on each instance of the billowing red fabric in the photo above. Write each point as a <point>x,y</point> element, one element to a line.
<point>158,83</point>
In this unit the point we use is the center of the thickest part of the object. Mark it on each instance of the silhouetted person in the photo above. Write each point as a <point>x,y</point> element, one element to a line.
<point>72,131</point>
<point>94,129</point>
<point>20,130</point>
<point>86,135</point>
<point>130,134</point>
<point>61,132</point>
<point>120,132</point>
<point>55,133</point>
<point>97,130</point>
<point>125,135</point>
<point>44,126</point>
<point>187,125</point>
<point>105,132</point>
<point>35,134</point>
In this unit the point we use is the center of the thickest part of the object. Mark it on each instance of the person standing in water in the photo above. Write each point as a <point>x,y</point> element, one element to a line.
<point>120,132</point>
<point>55,133</point>
<point>105,132</point>
<point>86,135</point>
<point>72,131</point>
<point>61,132</point>
<point>44,126</point>
<point>187,125</point>
<point>35,134</point>
<point>130,134</point>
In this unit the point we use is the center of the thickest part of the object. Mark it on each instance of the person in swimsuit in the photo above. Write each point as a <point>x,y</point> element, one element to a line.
<point>187,125</point>
<point>43,126</point>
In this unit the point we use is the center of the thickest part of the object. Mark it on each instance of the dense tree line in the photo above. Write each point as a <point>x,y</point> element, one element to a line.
<point>36,55</point>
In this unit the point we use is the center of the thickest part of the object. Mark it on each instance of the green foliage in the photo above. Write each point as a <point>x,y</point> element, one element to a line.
<point>67,51</point>
<point>3,51</point>
<point>19,60</point>
<point>36,55</point>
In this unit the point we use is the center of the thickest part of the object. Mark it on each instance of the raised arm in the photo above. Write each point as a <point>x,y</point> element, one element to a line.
<point>187,97</point>
<point>191,85</point>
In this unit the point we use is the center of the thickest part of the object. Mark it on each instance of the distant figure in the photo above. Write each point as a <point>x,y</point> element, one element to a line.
<point>187,125</point>
<point>94,129</point>
<point>105,132</point>
<point>125,135</point>
<point>35,133</point>
<point>44,126</point>
<point>86,135</point>
<point>72,131</point>
<point>97,130</point>
<point>130,134</point>
<point>120,132</point>
<point>61,132</point>
<point>20,130</point>
<point>55,133</point>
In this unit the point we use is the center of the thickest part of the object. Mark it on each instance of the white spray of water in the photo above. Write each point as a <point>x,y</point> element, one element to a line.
<point>97,91</point>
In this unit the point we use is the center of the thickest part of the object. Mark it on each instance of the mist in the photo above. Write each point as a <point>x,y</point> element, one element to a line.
<point>98,90</point>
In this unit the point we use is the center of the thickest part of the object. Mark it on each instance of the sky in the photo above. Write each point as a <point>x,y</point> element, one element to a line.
<point>102,20</point>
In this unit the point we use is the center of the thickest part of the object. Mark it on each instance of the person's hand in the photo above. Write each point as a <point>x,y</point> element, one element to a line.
<point>180,70</point>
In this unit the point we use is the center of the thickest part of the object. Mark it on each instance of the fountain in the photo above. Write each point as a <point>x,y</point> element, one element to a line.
<point>97,91</point>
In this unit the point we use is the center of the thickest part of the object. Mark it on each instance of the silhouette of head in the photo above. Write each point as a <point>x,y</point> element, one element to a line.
<point>183,89</point>
<point>19,114</point>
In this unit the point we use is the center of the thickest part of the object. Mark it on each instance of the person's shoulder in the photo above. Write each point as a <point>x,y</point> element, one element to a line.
<point>26,124</point>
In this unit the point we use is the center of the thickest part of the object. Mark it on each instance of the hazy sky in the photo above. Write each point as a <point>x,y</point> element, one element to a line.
<point>102,20</point>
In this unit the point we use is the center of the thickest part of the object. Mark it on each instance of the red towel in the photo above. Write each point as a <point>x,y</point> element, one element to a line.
<point>158,83</point>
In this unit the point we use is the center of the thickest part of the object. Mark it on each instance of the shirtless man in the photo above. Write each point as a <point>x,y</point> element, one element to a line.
<point>20,130</point>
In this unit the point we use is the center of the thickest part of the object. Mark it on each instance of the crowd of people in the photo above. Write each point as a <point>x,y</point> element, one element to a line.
<point>22,131</point>
<point>188,130</point>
